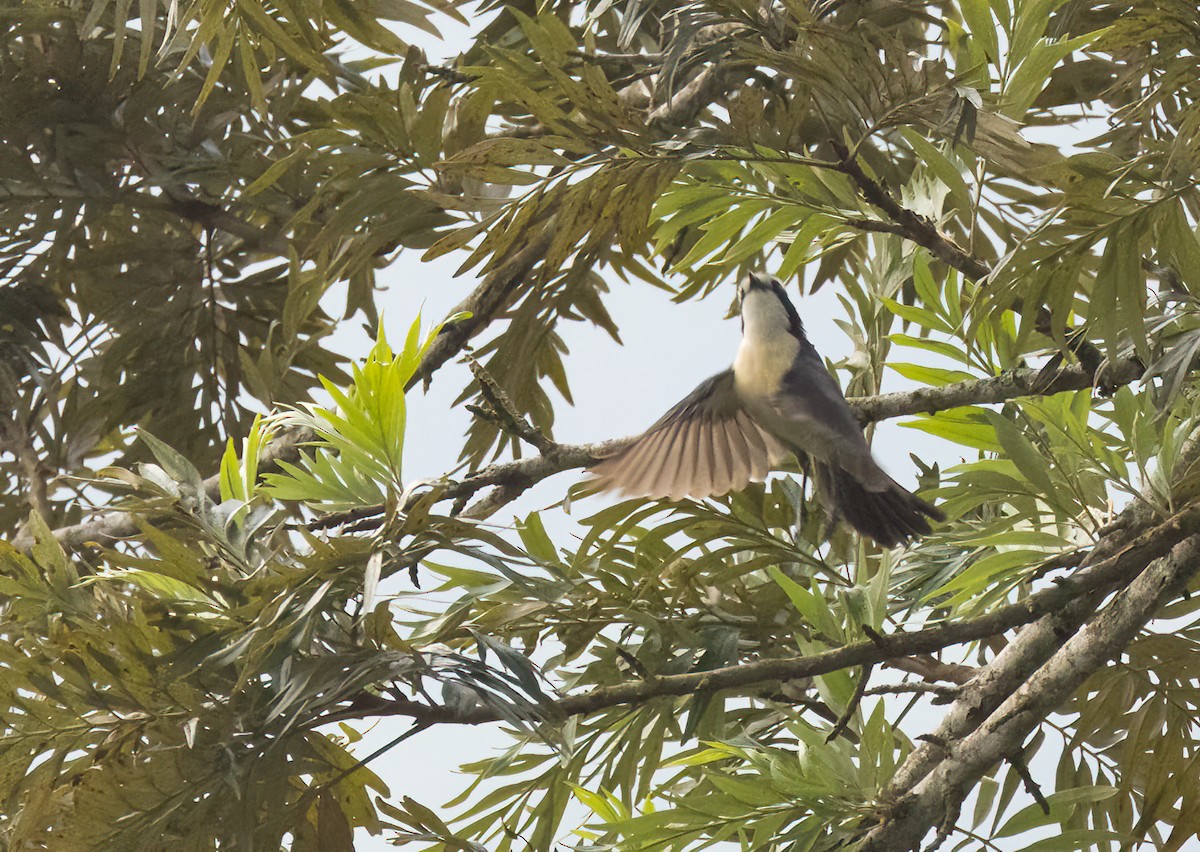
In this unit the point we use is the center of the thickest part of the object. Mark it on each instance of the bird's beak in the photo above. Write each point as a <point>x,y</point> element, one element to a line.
<point>760,279</point>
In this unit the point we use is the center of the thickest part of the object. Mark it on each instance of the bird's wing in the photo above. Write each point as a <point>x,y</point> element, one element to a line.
<point>705,445</point>
<point>812,416</point>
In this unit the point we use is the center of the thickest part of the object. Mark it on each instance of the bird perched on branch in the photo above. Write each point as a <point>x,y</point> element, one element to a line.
<point>776,399</point>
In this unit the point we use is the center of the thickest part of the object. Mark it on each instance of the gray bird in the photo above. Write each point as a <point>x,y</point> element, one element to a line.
<point>776,399</point>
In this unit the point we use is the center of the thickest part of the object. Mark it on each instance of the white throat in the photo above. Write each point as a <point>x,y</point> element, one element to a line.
<point>763,317</point>
<point>768,349</point>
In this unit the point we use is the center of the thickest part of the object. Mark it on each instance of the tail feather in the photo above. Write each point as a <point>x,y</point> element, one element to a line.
<point>889,516</point>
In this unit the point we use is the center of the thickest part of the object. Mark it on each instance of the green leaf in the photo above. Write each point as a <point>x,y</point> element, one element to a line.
<point>935,376</point>
<point>756,793</point>
<point>938,347</point>
<point>719,231</point>
<point>966,426</point>
<point>812,606</point>
<point>1032,18</point>
<point>1119,293</point>
<point>1080,838</point>
<point>763,232</point>
<point>537,542</point>
<point>988,571</point>
<point>945,169</point>
<point>978,15</point>
<point>1033,463</point>
<point>1028,81</point>
<point>921,316</point>
<point>815,226</point>
<point>1062,804</point>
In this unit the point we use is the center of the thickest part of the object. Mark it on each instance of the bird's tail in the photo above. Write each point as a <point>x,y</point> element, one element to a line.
<point>889,516</point>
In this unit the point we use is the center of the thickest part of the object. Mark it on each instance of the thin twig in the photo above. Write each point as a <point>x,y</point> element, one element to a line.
<point>932,669</point>
<point>505,413</point>
<point>852,706</point>
<point>1017,761</point>
<point>938,689</point>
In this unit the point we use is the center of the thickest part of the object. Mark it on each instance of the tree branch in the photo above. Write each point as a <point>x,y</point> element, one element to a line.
<point>510,479</point>
<point>1033,646</point>
<point>494,295</point>
<point>910,225</point>
<point>911,816</point>
<point>112,526</point>
<point>499,408</point>
<point>940,690</point>
<point>1091,584</point>
<point>34,470</point>
<point>924,232</point>
<point>852,706</point>
<point>515,477</point>
<point>930,668</point>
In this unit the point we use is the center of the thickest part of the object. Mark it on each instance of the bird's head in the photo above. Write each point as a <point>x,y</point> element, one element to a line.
<point>762,299</point>
<point>757,282</point>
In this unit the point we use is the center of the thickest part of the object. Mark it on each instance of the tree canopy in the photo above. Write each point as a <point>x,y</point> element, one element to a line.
<point>202,496</point>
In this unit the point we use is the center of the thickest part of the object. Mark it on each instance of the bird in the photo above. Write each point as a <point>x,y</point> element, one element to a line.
<point>777,399</point>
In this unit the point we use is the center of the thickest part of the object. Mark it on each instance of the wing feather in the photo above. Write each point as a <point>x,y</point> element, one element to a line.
<point>681,484</point>
<point>642,461</point>
<point>703,484</point>
<point>765,451</point>
<point>705,445</point>
<point>665,466</point>
<point>666,463</point>
<point>723,459</point>
<point>741,462</point>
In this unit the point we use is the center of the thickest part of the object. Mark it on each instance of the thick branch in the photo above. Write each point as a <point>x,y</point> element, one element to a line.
<point>1033,646</point>
<point>912,226</point>
<point>990,686</point>
<point>914,814</point>
<point>175,200</point>
<point>211,215</point>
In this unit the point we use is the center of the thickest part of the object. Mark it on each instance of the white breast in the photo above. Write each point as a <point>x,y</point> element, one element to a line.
<point>768,349</point>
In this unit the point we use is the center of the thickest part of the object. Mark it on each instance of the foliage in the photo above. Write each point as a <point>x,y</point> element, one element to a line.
<point>989,185</point>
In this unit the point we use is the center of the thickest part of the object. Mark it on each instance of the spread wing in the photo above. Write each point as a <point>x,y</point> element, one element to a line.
<point>705,445</point>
